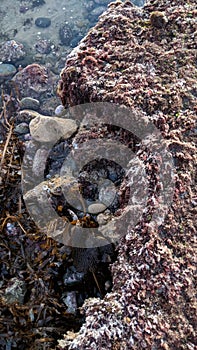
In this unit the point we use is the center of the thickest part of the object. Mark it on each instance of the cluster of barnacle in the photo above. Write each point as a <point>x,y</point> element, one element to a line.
<point>153,277</point>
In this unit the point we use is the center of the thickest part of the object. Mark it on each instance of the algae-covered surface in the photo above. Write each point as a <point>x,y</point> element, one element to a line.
<point>139,293</point>
<point>146,59</point>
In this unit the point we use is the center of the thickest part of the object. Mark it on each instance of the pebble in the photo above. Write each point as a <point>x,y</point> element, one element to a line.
<point>37,3</point>
<point>42,22</point>
<point>96,208</point>
<point>60,111</point>
<point>6,71</point>
<point>51,129</point>
<point>22,128</point>
<point>29,103</point>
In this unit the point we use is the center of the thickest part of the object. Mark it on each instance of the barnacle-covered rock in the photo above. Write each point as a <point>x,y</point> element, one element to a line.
<point>145,59</point>
<point>11,51</point>
<point>36,81</point>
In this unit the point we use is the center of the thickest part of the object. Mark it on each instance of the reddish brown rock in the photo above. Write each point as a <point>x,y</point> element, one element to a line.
<point>146,62</point>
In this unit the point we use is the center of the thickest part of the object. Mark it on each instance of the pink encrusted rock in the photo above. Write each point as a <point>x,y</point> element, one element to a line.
<point>136,58</point>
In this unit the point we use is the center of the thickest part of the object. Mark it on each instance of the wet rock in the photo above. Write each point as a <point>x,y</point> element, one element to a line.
<point>42,22</point>
<point>39,162</point>
<point>43,46</point>
<point>107,192</point>
<point>104,218</point>
<point>72,277</point>
<point>96,208</point>
<point>89,6</point>
<point>51,129</point>
<point>144,245</point>
<point>74,42</point>
<point>66,34</point>
<point>29,103</point>
<point>70,300</point>
<point>48,105</point>
<point>15,292</point>
<point>11,51</point>
<point>37,3</point>
<point>139,3</point>
<point>6,71</point>
<point>98,11</point>
<point>102,2</point>
<point>37,81</point>
<point>22,128</point>
<point>95,13</point>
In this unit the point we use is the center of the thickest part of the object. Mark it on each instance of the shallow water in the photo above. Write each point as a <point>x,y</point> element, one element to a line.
<point>18,23</point>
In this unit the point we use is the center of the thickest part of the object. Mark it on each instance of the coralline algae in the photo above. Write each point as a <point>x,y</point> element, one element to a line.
<point>145,59</point>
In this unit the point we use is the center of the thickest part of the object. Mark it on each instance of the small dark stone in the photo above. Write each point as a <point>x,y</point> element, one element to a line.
<point>75,41</point>
<point>6,71</point>
<point>37,3</point>
<point>21,128</point>
<point>42,22</point>
<point>66,34</point>
<point>72,277</point>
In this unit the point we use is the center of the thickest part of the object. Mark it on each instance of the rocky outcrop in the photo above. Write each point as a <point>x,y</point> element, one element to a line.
<point>145,59</point>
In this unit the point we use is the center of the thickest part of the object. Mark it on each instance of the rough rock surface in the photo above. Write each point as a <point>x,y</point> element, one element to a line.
<point>146,59</point>
<point>36,81</point>
<point>50,129</point>
<point>11,51</point>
